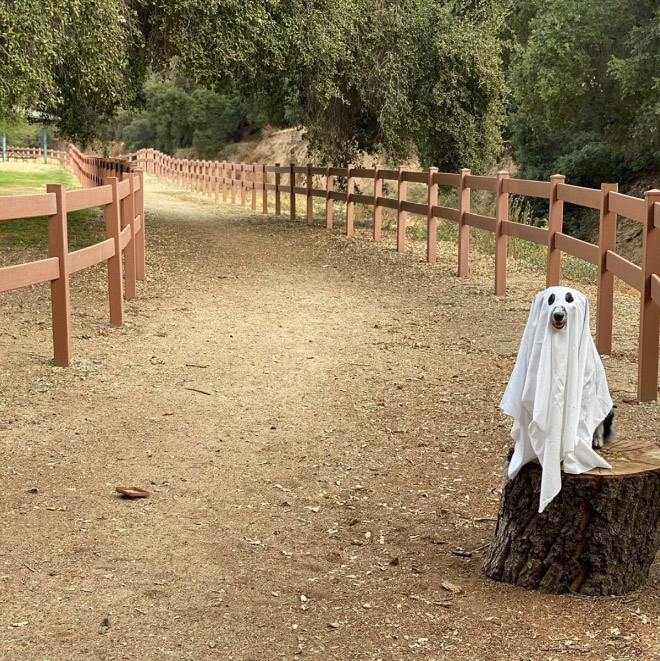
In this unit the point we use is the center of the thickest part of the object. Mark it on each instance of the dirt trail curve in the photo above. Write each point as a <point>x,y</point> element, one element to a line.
<point>316,419</point>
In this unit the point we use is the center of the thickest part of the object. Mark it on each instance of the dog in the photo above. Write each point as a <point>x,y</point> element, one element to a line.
<point>605,433</point>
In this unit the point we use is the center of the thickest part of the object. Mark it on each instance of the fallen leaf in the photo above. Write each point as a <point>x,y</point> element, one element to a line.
<point>452,587</point>
<point>132,492</point>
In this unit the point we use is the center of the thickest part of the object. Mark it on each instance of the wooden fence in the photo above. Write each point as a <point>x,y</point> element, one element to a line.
<point>34,153</point>
<point>116,187</point>
<point>228,179</point>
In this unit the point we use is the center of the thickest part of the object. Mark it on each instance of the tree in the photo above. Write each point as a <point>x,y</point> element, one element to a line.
<point>179,115</point>
<point>360,75</point>
<point>585,83</point>
<point>369,75</point>
<point>67,58</point>
<point>81,60</point>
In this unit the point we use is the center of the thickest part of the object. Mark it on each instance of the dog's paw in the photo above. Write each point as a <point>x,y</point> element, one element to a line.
<point>598,439</point>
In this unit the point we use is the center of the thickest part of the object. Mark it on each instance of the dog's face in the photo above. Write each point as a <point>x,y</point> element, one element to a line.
<point>559,314</point>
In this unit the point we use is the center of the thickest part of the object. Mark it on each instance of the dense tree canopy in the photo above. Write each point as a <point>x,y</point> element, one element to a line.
<point>585,81</point>
<point>358,74</point>
<point>81,60</point>
<point>177,115</point>
<point>367,75</point>
<point>397,76</point>
<point>68,58</point>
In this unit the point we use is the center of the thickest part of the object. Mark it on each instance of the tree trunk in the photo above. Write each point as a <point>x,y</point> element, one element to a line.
<point>599,535</point>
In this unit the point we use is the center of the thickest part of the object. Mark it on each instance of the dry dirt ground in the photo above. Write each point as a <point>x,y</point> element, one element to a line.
<point>316,420</point>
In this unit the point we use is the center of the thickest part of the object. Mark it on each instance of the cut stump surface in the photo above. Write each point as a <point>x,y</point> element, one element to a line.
<point>599,536</point>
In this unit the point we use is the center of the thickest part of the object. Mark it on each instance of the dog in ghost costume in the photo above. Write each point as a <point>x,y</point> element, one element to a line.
<point>558,395</point>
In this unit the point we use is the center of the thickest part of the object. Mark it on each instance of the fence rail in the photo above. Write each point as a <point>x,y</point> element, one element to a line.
<point>34,153</point>
<point>113,185</point>
<point>229,179</point>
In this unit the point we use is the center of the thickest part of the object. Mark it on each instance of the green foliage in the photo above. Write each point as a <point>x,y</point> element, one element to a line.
<point>361,75</point>
<point>384,75</point>
<point>177,116</point>
<point>68,58</point>
<point>585,86</point>
<point>16,128</point>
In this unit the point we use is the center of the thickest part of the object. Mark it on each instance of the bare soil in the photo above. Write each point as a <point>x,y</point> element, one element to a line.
<point>316,420</point>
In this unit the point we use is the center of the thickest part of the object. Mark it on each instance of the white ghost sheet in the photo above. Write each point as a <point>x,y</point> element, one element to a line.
<point>558,393</point>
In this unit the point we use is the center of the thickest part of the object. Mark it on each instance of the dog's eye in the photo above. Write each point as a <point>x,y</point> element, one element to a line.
<point>569,297</point>
<point>551,300</point>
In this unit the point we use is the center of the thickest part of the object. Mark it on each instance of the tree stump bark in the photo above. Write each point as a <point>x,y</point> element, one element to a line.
<point>599,536</point>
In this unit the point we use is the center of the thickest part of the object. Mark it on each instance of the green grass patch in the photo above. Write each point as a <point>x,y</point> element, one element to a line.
<point>30,178</point>
<point>85,227</point>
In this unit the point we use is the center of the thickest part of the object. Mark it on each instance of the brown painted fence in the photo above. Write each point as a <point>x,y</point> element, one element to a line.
<point>216,178</point>
<point>34,153</point>
<point>112,185</point>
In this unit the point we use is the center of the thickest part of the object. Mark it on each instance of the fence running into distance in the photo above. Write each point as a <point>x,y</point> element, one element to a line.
<point>34,153</point>
<point>110,184</point>
<point>211,177</point>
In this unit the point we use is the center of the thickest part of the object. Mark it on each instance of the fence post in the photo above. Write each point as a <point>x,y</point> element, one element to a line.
<point>501,213</point>
<point>350,205</point>
<point>605,300</point>
<point>649,316</point>
<point>233,183</point>
<point>310,199</point>
<point>128,218</point>
<point>401,214</point>
<point>224,181</point>
<point>216,176</point>
<point>555,225</point>
<point>59,289</point>
<point>463,228</point>
<point>264,191</point>
<point>243,184</point>
<point>329,202</point>
<point>278,195</point>
<point>378,210</point>
<point>140,257</point>
<point>431,221</point>
<point>253,198</point>
<point>292,183</point>
<point>112,231</point>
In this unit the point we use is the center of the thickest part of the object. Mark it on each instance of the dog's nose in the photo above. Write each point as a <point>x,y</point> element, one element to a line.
<point>558,316</point>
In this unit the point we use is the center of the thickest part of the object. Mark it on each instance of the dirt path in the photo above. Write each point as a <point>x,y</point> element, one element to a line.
<point>316,419</point>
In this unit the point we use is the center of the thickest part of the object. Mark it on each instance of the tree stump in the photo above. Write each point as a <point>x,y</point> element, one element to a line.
<point>599,536</point>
